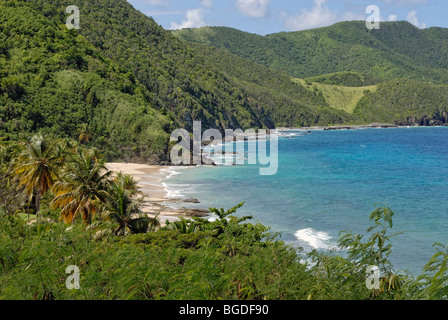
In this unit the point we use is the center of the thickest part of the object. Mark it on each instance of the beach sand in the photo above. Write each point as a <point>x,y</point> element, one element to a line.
<point>150,179</point>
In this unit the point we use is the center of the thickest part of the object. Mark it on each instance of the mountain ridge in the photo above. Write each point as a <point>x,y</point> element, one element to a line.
<point>344,46</point>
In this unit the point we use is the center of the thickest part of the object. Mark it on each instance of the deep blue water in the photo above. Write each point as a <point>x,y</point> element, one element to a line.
<point>329,181</point>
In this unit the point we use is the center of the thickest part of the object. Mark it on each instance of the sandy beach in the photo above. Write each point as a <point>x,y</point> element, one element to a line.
<point>150,179</point>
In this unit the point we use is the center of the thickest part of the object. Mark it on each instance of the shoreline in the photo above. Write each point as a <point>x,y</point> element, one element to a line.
<point>150,179</point>
<point>345,127</point>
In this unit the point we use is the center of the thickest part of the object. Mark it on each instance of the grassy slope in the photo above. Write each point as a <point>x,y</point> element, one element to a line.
<point>339,97</point>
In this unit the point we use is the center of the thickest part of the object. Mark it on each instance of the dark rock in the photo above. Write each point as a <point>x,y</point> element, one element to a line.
<point>195,212</point>
<point>191,200</point>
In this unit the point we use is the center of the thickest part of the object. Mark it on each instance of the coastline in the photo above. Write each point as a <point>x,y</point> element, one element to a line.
<point>344,127</point>
<point>150,179</point>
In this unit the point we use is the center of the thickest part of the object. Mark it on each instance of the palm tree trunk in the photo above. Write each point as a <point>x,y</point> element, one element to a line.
<point>37,205</point>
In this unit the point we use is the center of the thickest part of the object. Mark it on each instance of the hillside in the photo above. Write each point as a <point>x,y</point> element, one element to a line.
<point>407,102</point>
<point>131,81</point>
<point>397,50</point>
<point>171,73</point>
<point>288,102</point>
<point>53,80</point>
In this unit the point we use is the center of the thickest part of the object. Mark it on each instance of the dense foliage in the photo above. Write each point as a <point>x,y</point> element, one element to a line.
<point>53,80</point>
<point>225,259</point>
<point>347,79</point>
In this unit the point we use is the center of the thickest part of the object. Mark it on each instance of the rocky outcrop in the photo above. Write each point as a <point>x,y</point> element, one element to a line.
<point>439,118</point>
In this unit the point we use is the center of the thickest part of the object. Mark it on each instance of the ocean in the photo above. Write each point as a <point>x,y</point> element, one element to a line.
<point>330,181</point>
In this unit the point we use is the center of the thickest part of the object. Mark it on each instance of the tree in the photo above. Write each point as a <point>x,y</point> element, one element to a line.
<point>433,283</point>
<point>37,167</point>
<point>375,251</point>
<point>123,206</point>
<point>85,133</point>
<point>82,190</point>
<point>10,193</point>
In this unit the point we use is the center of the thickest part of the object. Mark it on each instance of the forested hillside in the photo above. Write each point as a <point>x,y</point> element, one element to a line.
<point>54,80</point>
<point>130,82</point>
<point>396,50</point>
<point>288,102</point>
<point>127,83</point>
<point>396,74</point>
<point>408,102</point>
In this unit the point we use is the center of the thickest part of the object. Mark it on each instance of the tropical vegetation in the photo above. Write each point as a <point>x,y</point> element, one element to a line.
<point>70,100</point>
<point>90,217</point>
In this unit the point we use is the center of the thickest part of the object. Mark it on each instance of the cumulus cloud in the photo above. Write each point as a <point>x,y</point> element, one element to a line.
<point>194,18</point>
<point>412,18</point>
<point>253,8</point>
<point>320,15</point>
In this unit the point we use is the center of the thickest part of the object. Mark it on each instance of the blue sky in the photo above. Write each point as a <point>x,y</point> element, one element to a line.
<point>270,16</point>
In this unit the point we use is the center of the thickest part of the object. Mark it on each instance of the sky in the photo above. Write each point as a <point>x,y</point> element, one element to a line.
<point>271,16</point>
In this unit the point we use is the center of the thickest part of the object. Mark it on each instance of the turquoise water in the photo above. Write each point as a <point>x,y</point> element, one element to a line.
<point>328,181</point>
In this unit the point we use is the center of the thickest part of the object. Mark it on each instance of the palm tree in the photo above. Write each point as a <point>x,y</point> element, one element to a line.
<point>84,133</point>
<point>82,190</point>
<point>128,183</point>
<point>123,207</point>
<point>37,167</point>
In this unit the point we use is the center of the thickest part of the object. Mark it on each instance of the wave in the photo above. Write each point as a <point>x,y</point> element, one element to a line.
<point>178,191</point>
<point>314,239</point>
<point>173,171</point>
<point>291,134</point>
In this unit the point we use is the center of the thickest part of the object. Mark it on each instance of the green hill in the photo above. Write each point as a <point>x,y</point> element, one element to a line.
<point>54,80</point>
<point>287,102</point>
<point>131,81</point>
<point>397,50</point>
<point>406,102</point>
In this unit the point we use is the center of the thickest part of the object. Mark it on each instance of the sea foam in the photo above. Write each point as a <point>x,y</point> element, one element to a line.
<point>314,239</point>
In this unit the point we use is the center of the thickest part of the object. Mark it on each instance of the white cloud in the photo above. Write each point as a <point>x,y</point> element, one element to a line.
<point>157,2</point>
<point>404,2</point>
<point>165,13</point>
<point>207,3</point>
<point>253,8</point>
<point>194,18</point>
<point>412,18</point>
<point>320,15</point>
<point>392,17</point>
